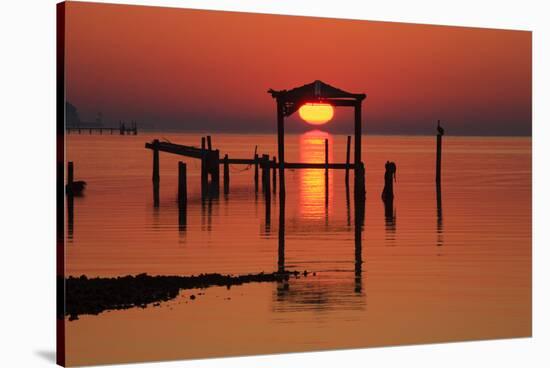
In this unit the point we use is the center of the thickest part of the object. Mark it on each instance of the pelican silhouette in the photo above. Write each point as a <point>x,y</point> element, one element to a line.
<point>440,130</point>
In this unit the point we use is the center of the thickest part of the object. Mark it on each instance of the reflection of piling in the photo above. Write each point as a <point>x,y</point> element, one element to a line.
<point>348,148</point>
<point>359,221</point>
<point>156,174</point>
<point>182,185</point>
<point>182,218</point>
<point>226,174</point>
<point>281,253</point>
<point>439,216</point>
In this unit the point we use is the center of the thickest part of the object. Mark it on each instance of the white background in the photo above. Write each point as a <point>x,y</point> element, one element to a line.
<point>27,181</point>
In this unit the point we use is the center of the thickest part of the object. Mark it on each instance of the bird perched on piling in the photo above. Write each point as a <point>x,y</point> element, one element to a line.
<point>76,187</point>
<point>440,129</point>
<point>389,178</point>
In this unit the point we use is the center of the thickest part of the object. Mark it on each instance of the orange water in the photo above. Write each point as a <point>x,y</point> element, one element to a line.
<point>465,274</point>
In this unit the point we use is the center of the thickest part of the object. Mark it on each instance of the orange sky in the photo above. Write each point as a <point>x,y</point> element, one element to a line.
<point>202,70</point>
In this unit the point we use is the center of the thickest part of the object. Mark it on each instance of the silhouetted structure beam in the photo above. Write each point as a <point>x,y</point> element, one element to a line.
<point>177,149</point>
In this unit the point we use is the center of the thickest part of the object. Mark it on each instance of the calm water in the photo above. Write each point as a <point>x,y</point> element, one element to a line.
<point>465,274</point>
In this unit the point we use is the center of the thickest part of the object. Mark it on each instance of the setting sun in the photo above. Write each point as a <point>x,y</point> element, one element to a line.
<point>316,113</point>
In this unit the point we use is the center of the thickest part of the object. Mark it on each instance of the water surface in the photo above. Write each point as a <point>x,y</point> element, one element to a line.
<point>418,273</point>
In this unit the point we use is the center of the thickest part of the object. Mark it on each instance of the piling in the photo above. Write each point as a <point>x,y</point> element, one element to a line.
<point>156,165</point>
<point>281,145</point>
<point>326,174</point>
<point>438,153</point>
<point>348,150</point>
<point>274,174</point>
<point>226,174</point>
<point>204,172</point>
<point>209,140</point>
<point>156,175</point>
<point>182,185</point>
<point>360,182</point>
<point>265,172</point>
<point>256,171</point>
<point>70,174</point>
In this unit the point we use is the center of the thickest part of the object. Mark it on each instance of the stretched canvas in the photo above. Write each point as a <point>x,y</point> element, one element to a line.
<point>236,184</point>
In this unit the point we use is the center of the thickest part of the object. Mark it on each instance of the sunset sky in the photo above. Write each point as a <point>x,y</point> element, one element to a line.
<point>179,69</point>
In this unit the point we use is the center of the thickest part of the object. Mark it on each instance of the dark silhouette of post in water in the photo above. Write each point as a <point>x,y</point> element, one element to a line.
<point>256,162</point>
<point>204,172</point>
<point>387,196</point>
<point>389,178</point>
<point>226,174</point>
<point>267,191</point>
<point>274,174</point>
<point>156,175</point>
<point>281,286</point>
<point>348,148</point>
<point>182,195</point>
<point>440,133</point>
<point>70,200</point>
<point>326,175</point>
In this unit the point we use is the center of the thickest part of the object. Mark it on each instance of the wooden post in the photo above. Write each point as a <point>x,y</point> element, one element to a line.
<point>281,146</point>
<point>438,156</point>
<point>156,174</point>
<point>265,172</point>
<point>204,172</point>
<point>209,140</point>
<point>226,174</point>
<point>348,147</point>
<point>359,186</point>
<point>274,174</point>
<point>256,171</point>
<point>70,200</point>
<point>182,184</point>
<point>70,174</point>
<point>326,174</point>
<point>267,184</point>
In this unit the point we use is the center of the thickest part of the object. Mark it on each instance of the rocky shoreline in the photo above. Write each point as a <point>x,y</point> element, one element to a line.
<point>85,295</point>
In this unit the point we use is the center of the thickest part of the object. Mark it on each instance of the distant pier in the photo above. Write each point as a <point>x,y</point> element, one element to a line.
<point>122,129</point>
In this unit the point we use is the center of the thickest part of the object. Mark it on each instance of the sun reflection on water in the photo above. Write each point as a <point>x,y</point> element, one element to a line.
<point>315,195</point>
